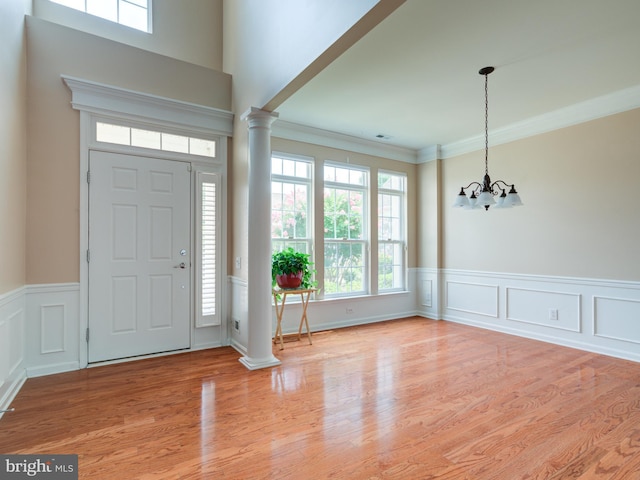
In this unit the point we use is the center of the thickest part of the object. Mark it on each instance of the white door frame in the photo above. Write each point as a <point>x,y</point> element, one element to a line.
<point>99,101</point>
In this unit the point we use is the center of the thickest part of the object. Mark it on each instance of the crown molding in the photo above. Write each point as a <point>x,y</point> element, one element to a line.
<point>108,100</point>
<point>326,138</point>
<point>616,102</point>
<point>610,104</point>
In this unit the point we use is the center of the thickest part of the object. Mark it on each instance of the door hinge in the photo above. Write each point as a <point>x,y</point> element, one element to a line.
<point>189,167</point>
<point>88,176</point>
<point>88,255</point>
<point>87,335</point>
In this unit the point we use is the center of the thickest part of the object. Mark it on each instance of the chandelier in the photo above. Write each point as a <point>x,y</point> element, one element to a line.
<point>482,194</point>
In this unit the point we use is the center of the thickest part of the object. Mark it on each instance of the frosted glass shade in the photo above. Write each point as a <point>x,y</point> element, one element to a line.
<point>486,198</point>
<point>514,199</point>
<point>461,200</point>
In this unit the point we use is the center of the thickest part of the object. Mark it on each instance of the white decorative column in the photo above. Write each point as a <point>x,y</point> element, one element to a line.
<point>259,348</point>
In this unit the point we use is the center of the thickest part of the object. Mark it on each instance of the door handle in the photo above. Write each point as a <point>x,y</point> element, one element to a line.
<point>182,265</point>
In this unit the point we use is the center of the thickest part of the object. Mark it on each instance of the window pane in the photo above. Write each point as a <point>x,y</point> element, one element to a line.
<point>113,134</point>
<point>133,16</point>
<point>76,4</point>
<point>390,266</point>
<point>140,3</point>
<point>303,170</point>
<point>356,177</point>
<point>145,138</point>
<point>198,146</point>
<point>107,9</point>
<point>288,168</point>
<point>344,268</point>
<point>175,143</point>
<point>329,174</point>
<point>276,166</point>
<point>343,214</point>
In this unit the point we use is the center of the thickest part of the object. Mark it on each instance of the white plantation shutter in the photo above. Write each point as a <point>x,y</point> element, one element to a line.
<point>207,242</point>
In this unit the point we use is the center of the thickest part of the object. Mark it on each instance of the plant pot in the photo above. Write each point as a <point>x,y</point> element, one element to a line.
<point>289,280</point>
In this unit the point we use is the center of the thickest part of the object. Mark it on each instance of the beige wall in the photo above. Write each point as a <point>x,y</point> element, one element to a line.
<point>580,219</point>
<point>13,144</point>
<point>189,30</point>
<point>429,228</point>
<point>321,154</point>
<point>53,128</point>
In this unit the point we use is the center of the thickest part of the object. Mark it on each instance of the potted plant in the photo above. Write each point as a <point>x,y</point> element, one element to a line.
<point>291,269</point>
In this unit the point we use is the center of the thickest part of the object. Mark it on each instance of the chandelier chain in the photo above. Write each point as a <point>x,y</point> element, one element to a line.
<point>486,124</point>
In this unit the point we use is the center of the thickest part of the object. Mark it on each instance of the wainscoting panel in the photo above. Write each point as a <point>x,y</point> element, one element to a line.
<point>471,297</point>
<point>600,316</point>
<point>12,346</point>
<point>239,313</point>
<point>53,325</point>
<point>427,290</point>
<point>617,319</point>
<point>540,307</point>
<point>53,328</point>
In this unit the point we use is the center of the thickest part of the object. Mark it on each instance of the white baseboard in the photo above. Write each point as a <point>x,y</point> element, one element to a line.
<point>52,369</point>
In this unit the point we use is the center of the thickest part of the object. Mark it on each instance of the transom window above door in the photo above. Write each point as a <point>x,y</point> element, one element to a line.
<point>155,140</point>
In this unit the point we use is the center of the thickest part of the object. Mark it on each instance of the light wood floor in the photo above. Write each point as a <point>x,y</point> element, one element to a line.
<point>408,399</point>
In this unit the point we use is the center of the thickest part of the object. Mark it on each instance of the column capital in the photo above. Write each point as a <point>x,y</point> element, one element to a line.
<point>257,117</point>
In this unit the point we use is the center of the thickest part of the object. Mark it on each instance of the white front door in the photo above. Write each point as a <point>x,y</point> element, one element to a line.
<point>139,256</point>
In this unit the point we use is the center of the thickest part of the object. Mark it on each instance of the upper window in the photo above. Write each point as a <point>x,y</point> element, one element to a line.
<point>345,230</point>
<point>391,231</point>
<point>291,182</point>
<point>130,13</point>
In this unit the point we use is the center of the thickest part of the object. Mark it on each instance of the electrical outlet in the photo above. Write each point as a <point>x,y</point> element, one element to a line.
<point>236,325</point>
<point>238,263</point>
<point>553,314</point>
<point>349,310</point>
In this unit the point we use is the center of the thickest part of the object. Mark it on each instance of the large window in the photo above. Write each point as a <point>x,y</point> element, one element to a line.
<point>345,230</point>
<point>391,231</point>
<point>130,13</point>
<point>291,214</point>
<point>347,262</point>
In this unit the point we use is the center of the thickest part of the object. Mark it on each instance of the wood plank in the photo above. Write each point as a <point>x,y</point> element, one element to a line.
<point>409,398</point>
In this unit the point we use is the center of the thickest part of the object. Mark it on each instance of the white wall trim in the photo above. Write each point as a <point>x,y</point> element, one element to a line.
<point>616,102</point>
<point>102,99</point>
<point>597,315</point>
<point>13,340</point>
<point>610,104</point>
<point>326,138</point>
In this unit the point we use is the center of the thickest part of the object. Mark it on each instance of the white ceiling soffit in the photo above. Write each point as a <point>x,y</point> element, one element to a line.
<point>411,91</point>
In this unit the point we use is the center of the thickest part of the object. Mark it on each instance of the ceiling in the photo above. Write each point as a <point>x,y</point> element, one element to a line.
<point>414,78</point>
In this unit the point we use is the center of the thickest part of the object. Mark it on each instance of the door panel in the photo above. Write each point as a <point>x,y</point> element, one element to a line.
<point>139,275</point>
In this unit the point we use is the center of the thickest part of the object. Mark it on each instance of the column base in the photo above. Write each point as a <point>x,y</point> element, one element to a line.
<point>258,363</point>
